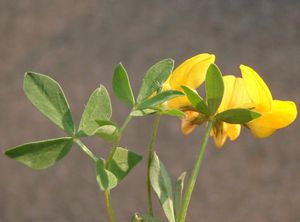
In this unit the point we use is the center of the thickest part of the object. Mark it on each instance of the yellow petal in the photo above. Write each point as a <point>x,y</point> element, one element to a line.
<point>257,89</point>
<point>178,102</point>
<point>188,122</point>
<point>282,114</point>
<point>191,72</point>
<point>229,82</point>
<point>219,140</point>
<point>240,97</point>
<point>233,130</point>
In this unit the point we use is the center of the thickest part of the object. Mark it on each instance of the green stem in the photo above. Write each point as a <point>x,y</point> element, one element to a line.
<point>108,202</point>
<point>194,175</point>
<point>117,142</point>
<point>86,150</point>
<point>109,208</point>
<point>150,155</point>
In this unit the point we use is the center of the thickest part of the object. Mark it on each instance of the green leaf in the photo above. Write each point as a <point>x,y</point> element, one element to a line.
<point>159,98</point>
<point>237,116</point>
<point>172,112</point>
<point>107,130</point>
<point>106,179</point>
<point>154,78</point>
<point>178,193</point>
<point>97,108</point>
<point>122,162</point>
<point>143,112</point>
<point>195,100</point>
<point>48,97</point>
<point>121,86</point>
<point>41,154</point>
<point>162,186</point>
<point>214,88</point>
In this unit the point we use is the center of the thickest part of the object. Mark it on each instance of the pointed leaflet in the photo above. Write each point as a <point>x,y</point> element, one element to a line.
<point>178,193</point>
<point>159,99</point>
<point>97,108</point>
<point>121,86</point>
<point>142,112</point>
<point>47,96</point>
<point>237,116</point>
<point>195,100</point>
<point>106,179</point>
<point>122,162</point>
<point>162,186</point>
<point>154,78</point>
<point>41,154</point>
<point>214,87</point>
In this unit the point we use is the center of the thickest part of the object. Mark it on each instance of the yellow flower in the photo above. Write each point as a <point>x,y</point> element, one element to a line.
<point>235,96</point>
<point>190,73</point>
<point>276,114</point>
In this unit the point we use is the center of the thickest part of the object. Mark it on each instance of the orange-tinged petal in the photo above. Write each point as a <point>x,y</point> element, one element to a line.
<point>257,89</point>
<point>188,122</point>
<point>191,72</point>
<point>282,114</point>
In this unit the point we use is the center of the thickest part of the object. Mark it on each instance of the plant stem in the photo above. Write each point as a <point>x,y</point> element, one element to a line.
<point>150,155</point>
<point>109,208</point>
<point>194,175</point>
<point>86,150</point>
<point>108,202</point>
<point>117,142</point>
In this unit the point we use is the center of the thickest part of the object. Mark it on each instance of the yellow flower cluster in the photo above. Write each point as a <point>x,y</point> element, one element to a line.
<point>248,91</point>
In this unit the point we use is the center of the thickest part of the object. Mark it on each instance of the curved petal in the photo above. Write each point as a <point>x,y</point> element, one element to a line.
<point>178,102</point>
<point>229,82</point>
<point>282,114</point>
<point>257,89</point>
<point>191,72</point>
<point>240,97</point>
<point>233,130</point>
<point>188,122</point>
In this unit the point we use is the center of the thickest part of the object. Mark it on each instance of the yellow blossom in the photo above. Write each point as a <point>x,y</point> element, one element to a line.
<point>275,114</point>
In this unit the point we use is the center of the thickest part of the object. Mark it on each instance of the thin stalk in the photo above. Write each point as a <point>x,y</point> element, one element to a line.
<point>117,142</point>
<point>194,175</point>
<point>109,208</point>
<point>150,155</point>
<point>86,150</point>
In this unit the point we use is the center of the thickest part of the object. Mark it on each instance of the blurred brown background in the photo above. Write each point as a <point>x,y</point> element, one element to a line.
<point>78,43</point>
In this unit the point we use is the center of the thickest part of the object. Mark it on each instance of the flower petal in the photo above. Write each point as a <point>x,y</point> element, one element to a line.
<point>257,89</point>
<point>240,97</point>
<point>233,131</point>
<point>281,115</point>
<point>229,82</point>
<point>191,72</point>
<point>188,122</point>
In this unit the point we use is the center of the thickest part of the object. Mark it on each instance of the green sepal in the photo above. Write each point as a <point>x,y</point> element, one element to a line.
<point>97,108</point>
<point>161,184</point>
<point>178,193</point>
<point>237,116</point>
<point>154,78</point>
<point>41,154</point>
<point>159,99</point>
<point>122,162</point>
<point>106,179</point>
<point>196,100</point>
<point>214,87</point>
<point>107,130</point>
<point>48,97</point>
<point>121,86</point>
